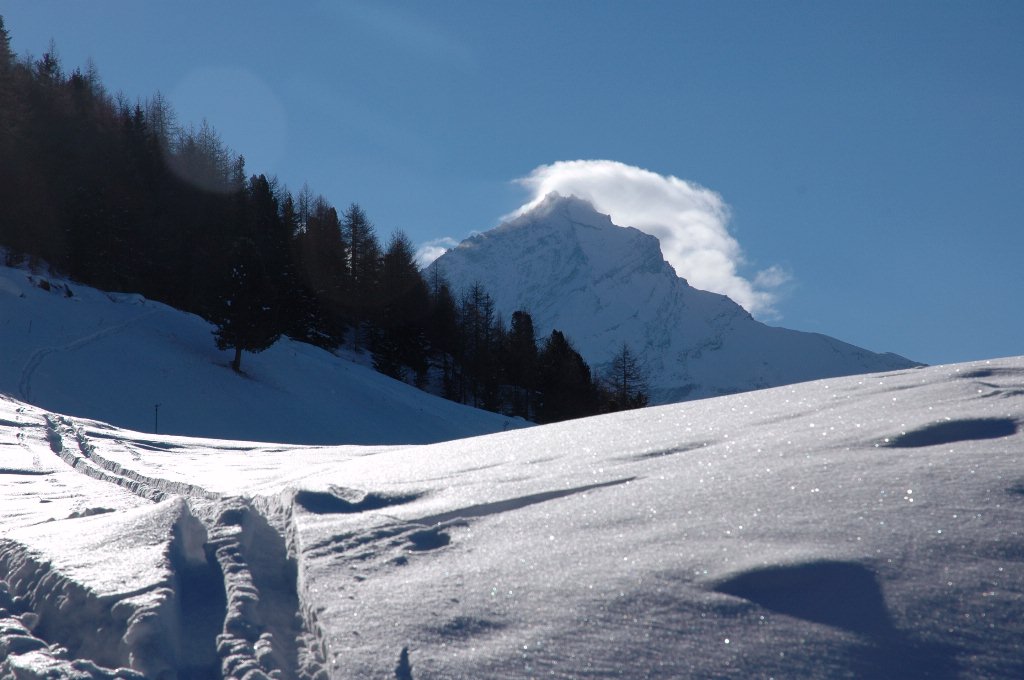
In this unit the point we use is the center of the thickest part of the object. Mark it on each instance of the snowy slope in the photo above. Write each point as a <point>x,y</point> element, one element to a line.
<point>866,526</point>
<point>603,285</point>
<point>114,356</point>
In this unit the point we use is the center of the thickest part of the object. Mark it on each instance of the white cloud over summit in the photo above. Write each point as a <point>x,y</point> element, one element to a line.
<point>690,221</point>
<point>433,249</point>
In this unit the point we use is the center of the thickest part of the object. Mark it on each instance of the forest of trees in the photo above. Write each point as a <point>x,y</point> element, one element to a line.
<point>120,196</point>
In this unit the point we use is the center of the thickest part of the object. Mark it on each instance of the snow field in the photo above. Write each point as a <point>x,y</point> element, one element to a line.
<point>867,526</point>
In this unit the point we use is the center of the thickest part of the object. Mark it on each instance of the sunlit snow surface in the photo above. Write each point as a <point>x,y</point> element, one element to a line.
<point>866,526</point>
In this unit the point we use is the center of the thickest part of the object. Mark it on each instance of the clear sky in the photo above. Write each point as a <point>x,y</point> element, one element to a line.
<point>865,159</point>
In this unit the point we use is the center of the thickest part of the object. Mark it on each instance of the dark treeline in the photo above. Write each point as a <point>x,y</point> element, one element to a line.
<point>502,368</point>
<point>119,196</point>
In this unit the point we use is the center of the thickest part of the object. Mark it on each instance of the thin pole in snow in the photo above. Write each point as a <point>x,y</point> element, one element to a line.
<point>156,418</point>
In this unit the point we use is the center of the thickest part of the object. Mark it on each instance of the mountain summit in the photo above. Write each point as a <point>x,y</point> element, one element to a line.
<point>573,269</point>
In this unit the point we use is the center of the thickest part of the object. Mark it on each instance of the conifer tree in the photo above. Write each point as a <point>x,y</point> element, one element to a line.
<point>6,54</point>
<point>625,381</point>
<point>48,70</point>
<point>443,334</point>
<point>479,357</point>
<point>267,228</point>
<point>246,318</point>
<point>363,271</point>
<point>565,386</point>
<point>521,363</point>
<point>323,265</point>
<point>400,340</point>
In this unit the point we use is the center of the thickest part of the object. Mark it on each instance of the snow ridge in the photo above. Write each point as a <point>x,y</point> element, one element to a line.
<point>137,629</point>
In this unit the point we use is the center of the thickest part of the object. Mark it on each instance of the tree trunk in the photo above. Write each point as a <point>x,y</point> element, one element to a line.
<point>236,363</point>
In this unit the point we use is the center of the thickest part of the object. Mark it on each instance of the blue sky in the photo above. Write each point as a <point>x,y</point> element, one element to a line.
<point>868,156</point>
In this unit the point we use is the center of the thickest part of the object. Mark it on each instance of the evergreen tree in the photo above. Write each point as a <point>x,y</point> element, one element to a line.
<point>302,321</point>
<point>155,255</point>
<point>246,318</point>
<point>443,334</point>
<point>20,179</point>
<point>207,203</point>
<point>323,265</point>
<point>7,60</point>
<point>363,271</point>
<point>521,363</point>
<point>304,203</point>
<point>162,121</point>
<point>48,69</point>
<point>493,398</point>
<point>565,386</point>
<point>267,228</point>
<point>400,339</point>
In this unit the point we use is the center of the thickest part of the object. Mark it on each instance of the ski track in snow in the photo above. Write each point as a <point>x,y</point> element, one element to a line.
<point>236,562</point>
<point>37,357</point>
<point>234,573</point>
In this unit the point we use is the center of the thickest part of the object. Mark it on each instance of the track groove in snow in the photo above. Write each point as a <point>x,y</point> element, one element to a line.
<point>429,532</point>
<point>25,380</point>
<point>97,628</point>
<point>262,621</point>
<point>84,458</point>
<point>232,583</point>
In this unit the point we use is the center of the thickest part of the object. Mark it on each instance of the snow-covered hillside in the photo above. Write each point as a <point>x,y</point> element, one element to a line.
<point>114,357</point>
<point>867,526</point>
<point>572,269</point>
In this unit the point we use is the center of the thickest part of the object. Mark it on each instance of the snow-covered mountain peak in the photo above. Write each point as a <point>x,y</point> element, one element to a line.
<point>554,207</point>
<point>562,245</point>
<point>568,224</point>
<point>603,284</point>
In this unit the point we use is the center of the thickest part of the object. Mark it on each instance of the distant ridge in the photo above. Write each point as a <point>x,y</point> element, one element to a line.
<point>572,269</point>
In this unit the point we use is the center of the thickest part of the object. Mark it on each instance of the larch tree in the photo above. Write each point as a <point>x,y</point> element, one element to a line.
<point>479,344</point>
<point>625,381</point>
